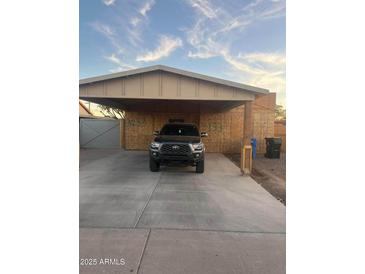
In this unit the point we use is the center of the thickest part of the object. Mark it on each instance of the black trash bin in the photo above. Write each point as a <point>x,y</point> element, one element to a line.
<point>273,148</point>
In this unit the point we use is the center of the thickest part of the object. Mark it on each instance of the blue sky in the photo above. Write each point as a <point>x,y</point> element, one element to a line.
<point>242,41</point>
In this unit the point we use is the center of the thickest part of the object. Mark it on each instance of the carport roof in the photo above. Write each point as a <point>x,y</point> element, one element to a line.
<point>175,71</point>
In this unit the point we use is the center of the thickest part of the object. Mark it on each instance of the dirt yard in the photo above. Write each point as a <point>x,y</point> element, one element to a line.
<point>269,173</point>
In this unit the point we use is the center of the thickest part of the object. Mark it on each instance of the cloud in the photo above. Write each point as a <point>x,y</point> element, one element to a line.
<point>134,36</point>
<point>142,13</point>
<point>204,45</point>
<point>135,21</point>
<point>204,8</point>
<point>128,25</point>
<point>209,38</point>
<point>109,33</point>
<point>201,55</point>
<point>138,21</point>
<point>147,6</point>
<point>103,29</point>
<point>124,31</point>
<point>241,66</point>
<point>109,2</point>
<point>266,70</point>
<point>113,58</point>
<point>167,45</point>
<point>265,58</point>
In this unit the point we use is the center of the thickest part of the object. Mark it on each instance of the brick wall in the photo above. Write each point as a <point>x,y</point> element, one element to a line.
<point>225,129</point>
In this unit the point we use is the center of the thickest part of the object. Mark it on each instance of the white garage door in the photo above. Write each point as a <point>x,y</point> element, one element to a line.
<point>99,133</point>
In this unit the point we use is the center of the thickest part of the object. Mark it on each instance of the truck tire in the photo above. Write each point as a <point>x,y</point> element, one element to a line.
<point>154,166</point>
<point>200,167</point>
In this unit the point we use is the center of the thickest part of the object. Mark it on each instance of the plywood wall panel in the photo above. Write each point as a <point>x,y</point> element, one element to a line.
<point>96,90</point>
<point>151,85</point>
<point>164,85</point>
<point>206,90</point>
<point>169,85</point>
<point>83,91</point>
<point>225,129</point>
<point>113,88</point>
<point>188,88</point>
<point>132,86</point>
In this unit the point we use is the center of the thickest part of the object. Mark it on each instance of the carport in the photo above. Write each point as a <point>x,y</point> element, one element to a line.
<point>153,95</point>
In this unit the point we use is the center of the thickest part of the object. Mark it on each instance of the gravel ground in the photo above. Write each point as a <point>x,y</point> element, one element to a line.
<point>269,173</point>
<point>274,166</point>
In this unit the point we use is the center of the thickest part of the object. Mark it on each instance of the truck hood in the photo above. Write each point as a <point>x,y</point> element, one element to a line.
<point>178,139</point>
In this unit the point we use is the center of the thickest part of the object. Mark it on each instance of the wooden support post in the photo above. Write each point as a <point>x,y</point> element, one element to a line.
<point>121,133</point>
<point>246,151</point>
<point>248,124</point>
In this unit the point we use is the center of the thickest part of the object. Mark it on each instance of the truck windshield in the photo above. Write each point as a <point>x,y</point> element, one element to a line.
<point>180,130</point>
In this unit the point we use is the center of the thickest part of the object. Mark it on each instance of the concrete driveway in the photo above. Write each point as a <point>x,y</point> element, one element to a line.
<point>176,221</point>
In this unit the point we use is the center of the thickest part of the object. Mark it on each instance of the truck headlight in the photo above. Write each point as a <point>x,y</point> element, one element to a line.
<point>155,145</point>
<point>198,147</point>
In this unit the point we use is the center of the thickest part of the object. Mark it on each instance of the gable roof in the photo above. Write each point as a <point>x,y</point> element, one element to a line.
<point>175,71</point>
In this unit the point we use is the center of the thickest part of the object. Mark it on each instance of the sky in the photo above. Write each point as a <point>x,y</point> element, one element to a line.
<point>238,40</point>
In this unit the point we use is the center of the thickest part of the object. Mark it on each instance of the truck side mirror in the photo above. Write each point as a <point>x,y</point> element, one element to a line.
<point>156,132</point>
<point>203,134</point>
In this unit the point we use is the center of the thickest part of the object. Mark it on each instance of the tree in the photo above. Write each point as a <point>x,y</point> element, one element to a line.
<point>112,112</point>
<point>280,113</point>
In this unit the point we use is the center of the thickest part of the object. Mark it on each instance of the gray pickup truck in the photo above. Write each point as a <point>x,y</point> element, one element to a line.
<point>178,143</point>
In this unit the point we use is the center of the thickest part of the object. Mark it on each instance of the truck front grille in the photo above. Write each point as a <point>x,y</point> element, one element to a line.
<point>175,149</point>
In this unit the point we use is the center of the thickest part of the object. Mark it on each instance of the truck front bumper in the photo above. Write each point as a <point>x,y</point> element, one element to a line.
<point>191,158</point>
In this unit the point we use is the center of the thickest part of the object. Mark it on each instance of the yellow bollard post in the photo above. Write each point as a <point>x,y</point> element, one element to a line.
<point>242,159</point>
<point>246,161</point>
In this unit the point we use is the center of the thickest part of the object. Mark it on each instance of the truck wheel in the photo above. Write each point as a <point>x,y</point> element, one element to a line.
<point>154,166</point>
<point>200,167</point>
